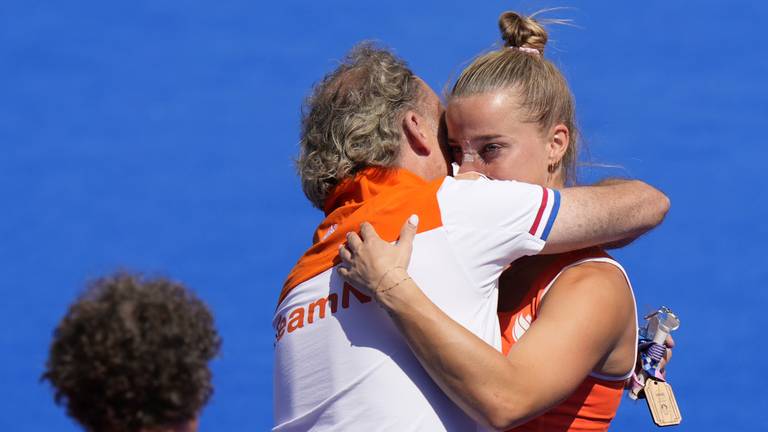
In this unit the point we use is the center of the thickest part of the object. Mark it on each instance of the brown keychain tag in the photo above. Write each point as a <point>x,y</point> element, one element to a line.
<point>662,403</point>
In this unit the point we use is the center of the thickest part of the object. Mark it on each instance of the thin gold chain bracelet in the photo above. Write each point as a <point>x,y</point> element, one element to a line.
<point>393,286</point>
<point>381,279</point>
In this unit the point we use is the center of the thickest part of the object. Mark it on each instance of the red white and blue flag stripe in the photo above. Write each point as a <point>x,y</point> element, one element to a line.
<point>545,217</point>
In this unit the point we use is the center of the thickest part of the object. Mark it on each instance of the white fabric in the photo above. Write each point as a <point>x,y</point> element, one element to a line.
<point>490,219</point>
<point>352,370</point>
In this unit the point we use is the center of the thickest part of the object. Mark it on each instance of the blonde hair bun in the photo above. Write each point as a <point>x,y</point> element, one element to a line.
<point>522,32</point>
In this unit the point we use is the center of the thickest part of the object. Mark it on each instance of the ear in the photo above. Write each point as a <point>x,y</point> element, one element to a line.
<point>416,129</point>
<point>557,143</point>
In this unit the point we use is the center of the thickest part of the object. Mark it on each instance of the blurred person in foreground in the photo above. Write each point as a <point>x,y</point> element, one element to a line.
<point>373,149</point>
<point>132,354</point>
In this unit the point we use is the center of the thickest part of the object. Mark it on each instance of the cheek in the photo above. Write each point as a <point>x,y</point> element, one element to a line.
<point>520,165</point>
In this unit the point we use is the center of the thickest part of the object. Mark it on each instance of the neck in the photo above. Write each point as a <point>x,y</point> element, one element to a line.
<point>556,181</point>
<point>413,163</point>
<point>423,166</point>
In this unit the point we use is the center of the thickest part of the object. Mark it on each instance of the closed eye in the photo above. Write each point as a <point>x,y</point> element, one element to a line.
<point>490,151</point>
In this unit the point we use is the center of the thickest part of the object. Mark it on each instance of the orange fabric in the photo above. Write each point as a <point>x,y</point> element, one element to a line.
<point>594,403</point>
<point>383,197</point>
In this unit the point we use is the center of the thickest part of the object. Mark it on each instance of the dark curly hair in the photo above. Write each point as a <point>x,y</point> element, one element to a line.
<point>132,353</point>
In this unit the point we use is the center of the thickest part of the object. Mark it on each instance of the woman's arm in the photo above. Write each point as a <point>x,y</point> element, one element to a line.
<point>575,329</point>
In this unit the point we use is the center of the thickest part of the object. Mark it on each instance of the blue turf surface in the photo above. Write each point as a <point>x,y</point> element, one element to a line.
<point>159,136</point>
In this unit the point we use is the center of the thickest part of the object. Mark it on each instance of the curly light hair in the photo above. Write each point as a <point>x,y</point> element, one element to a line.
<point>351,120</point>
<point>132,354</point>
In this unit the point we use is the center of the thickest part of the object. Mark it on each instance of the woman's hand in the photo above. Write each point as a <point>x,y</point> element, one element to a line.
<point>374,265</point>
<point>670,343</point>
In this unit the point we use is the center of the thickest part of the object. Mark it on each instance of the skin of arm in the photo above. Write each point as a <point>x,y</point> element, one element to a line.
<point>574,331</point>
<point>610,212</point>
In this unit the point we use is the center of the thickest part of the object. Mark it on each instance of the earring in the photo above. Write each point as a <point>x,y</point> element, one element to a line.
<point>551,168</point>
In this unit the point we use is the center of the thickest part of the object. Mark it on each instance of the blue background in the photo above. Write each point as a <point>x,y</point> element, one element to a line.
<point>159,136</point>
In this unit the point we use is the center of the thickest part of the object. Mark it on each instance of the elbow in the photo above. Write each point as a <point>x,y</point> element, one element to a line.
<point>665,207</point>
<point>658,205</point>
<point>501,423</point>
<point>662,207</point>
<point>506,416</point>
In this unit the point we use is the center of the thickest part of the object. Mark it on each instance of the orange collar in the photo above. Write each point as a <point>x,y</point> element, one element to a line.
<point>384,197</point>
<point>368,183</point>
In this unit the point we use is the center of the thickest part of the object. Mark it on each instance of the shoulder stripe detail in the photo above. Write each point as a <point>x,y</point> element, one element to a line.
<point>540,213</point>
<point>552,215</point>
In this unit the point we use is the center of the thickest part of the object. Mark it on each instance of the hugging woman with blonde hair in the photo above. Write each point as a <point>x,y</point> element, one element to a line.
<point>568,321</point>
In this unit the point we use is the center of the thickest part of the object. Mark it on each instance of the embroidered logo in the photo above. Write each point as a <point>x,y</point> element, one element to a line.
<point>521,326</point>
<point>330,231</point>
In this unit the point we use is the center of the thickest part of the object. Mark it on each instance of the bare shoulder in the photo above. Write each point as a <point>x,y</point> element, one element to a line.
<point>593,273</point>
<point>592,287</point>
<point>594,300</point>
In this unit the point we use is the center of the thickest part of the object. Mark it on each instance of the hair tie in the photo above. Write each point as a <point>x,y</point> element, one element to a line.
<point>526,50</point>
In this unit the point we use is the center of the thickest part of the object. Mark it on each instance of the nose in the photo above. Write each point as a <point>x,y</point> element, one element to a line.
<point>470,162</point>
<point>468,157</point>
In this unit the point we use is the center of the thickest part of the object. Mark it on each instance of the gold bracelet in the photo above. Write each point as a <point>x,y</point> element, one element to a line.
<point>387,289</point>
<point>381,279</point>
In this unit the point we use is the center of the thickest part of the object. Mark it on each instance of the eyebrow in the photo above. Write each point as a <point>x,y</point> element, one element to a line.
<point>480,138</point>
